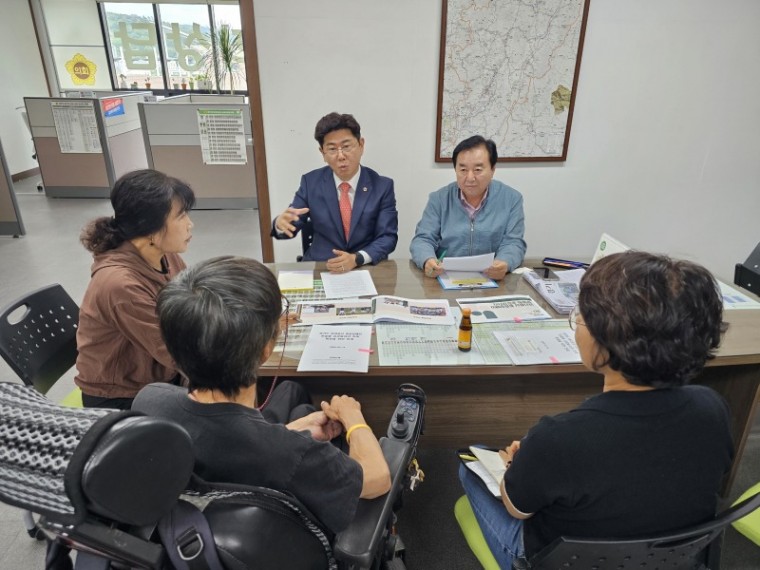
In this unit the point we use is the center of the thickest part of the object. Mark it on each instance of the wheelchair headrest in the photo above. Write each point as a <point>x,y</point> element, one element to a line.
<point>137,470</point>
<point>65,462</point>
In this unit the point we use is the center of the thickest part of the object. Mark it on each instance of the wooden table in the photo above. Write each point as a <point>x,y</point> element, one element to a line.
<point>496,404</point>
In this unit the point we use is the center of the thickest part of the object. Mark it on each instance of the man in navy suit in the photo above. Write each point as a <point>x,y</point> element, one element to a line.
<point>352,208</point>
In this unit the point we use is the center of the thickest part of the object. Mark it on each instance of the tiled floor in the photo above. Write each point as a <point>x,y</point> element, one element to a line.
<point>50,252</point>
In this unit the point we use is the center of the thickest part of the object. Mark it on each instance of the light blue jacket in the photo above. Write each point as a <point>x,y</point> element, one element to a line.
<point>498,226</point>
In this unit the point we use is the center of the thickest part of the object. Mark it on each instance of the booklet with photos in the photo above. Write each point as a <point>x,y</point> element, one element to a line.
<point>377,309</point>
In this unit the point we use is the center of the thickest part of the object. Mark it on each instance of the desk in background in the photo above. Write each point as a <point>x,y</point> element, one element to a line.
<point>495,404</point>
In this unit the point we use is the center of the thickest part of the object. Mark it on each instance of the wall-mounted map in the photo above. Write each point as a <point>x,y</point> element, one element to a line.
<point>509,71</point>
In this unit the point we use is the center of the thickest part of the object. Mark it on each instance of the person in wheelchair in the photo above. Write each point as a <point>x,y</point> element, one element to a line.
<point>645,456</point>
<point>219,320</point>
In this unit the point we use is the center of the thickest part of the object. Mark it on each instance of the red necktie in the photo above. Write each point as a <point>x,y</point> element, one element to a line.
<point>345,207</point>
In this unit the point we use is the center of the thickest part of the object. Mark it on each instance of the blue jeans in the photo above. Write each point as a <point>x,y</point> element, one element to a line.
<point>503,532</point>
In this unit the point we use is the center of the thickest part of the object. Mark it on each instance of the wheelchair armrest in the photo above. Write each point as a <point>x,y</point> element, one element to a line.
<point>357,544</point>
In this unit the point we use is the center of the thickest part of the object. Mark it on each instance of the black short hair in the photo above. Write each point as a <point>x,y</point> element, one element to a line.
<point>658,319</point>
<point>472,142</point>
<point>142,201</point>
<point>217,318</point>
<point>336,122</point>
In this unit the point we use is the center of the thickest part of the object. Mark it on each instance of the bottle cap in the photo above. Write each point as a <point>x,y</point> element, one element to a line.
<point>466,312</point>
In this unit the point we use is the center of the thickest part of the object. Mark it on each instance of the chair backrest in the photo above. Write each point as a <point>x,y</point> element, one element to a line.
<point>255,527</point>
<point>307,236</point>
<point>69,463</point>
<point>686,549</point>
<point>40,343</point>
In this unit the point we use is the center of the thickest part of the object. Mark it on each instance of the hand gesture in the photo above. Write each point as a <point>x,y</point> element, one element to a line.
<point>284,222</point>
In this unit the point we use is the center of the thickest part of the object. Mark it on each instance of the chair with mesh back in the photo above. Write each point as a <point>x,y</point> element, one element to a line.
<point>38,341</point>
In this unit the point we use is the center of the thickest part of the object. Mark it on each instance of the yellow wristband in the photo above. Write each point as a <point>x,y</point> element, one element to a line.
<point>350,430</point>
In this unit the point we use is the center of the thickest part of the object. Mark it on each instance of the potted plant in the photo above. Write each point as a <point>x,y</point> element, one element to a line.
<point>122,81</point>
<point>224,61</point>
<point>134,85</point>
<point>191,82</point>
<point>147,82</point>
<point>202,80</point>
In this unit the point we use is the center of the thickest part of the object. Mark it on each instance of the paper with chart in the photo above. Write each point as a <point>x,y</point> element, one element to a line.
<point>422,345</point>
<point>377,309</point>
<point>339,349</point>
<point>540,346</point>
<point>348,285</point>
<point>514,308</point>
<point>489,347</point>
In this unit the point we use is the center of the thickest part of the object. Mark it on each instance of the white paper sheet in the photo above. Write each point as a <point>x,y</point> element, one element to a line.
<point>348,285</point>
<point>504,308</point>
<point>301,280</point>
<point>540,346</point>
<point>607,245</point>
<point>469,263</point>
<point>422,345</point>
<point>734,299</point>
<point>344,348</point>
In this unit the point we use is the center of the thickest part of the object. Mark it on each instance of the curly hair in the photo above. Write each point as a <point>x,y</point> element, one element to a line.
<point>142,201</point>
<point>336,122</point>
<point>657,319</point>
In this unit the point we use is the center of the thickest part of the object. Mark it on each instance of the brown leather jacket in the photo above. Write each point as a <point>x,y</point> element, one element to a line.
<point>119,341</point>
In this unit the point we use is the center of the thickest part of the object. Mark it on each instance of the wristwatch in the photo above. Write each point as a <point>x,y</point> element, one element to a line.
<point>359,259</point>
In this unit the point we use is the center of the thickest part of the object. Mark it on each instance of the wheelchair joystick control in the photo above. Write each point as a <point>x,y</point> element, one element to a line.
<point>398,426</point>
<point>406,422</point>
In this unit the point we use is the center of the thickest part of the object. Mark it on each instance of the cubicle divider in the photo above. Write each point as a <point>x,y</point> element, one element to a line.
<point>10,216</point>
<point>84,144</point>
<point>206,141</point>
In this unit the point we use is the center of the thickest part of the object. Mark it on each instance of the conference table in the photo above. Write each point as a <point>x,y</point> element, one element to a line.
<point>495,404</point>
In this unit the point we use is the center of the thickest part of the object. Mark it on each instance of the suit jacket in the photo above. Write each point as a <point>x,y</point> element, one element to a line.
<point>374,218</point>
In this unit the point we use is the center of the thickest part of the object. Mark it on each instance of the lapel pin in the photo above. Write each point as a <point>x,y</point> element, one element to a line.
<point>364,189</point>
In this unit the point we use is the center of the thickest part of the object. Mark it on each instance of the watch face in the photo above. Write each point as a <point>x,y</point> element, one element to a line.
<point>359,259</point>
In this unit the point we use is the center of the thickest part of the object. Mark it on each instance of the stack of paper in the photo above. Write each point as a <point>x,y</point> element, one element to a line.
<point>562,295</point>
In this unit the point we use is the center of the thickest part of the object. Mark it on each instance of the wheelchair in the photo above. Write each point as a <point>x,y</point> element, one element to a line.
<point>118,488</point>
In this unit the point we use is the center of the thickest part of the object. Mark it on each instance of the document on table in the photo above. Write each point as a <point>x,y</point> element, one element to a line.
<point>490,347</point>
<point>516,308</point>
<point>343,348</point>
<point>422,345</point>
<point>465,280</point>
<point>301,280</point>
<point>469,263</point>
<point>733,299</point>
<point>540,346</point>
<point>348,285</point>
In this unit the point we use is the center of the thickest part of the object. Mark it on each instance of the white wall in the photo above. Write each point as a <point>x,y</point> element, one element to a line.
<point>23,76</point>
<point>664,152</point>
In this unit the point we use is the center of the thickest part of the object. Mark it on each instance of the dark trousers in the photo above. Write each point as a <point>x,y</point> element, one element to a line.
<point>289,401</point>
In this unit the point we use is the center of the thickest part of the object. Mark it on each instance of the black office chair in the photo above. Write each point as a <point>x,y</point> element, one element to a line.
<point>307,235</point>
<point>38,341</point>
<point>693,548</point>
<point>40,344</point>
<point>104,481</point>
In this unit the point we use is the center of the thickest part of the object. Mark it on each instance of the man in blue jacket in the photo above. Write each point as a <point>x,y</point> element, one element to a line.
<point>472,216</point>
<point>352,208</point>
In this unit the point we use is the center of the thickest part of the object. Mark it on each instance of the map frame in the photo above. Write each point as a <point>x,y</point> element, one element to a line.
<point>504,152</point>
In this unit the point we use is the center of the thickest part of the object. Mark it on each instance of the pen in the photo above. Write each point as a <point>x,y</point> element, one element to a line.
<point>438,261</point>
<point>468,457</point>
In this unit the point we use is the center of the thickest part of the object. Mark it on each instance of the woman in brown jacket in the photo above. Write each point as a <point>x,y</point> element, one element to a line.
<point>136,252</point>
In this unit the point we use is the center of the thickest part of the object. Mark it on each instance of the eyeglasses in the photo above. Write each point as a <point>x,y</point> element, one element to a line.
<point>345,149</point>
<point>573,318</point>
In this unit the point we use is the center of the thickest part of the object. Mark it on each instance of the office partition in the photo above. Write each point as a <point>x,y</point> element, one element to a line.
<point>10,216</point>
<point>84,144</point>
<point>206,141</point>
